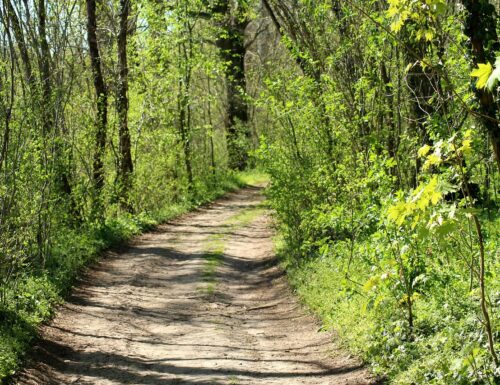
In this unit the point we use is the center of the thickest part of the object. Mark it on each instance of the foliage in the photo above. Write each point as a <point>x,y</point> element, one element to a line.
<point>391,234</point>
<point>487,75</point>
<point>376,122</point>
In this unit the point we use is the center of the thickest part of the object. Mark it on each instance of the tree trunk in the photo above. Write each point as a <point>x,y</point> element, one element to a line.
<point>21,43</point>
<point>45,69</point>
<point>101,97</point>
<point>392,135</point>
<point>184,103</point>
<point>8,102</point>
<point>125,163</point>
<point>48,125</point>
<point>185,129</point>
<point>232,49</point>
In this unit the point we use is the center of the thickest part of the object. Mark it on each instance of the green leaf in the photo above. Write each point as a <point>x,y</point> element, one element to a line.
<point>482,73</point>
<point>429,35</point>
<point>495,75</point>
<point>423,151</point>
<point>371,283</point>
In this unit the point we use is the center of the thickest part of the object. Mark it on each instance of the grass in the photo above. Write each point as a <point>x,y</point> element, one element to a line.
<point>216,243</point>
<point>253,178</point>
<point>246,216</point>
<point>213,259</point>
<point>30,300</point>
<point>448,331</point>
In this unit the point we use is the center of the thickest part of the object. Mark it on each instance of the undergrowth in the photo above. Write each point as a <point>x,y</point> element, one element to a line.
<point>446,344</point>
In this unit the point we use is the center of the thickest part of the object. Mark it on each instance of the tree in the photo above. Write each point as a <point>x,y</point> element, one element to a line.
<point>101,94</point>
<point>232,19</point>
<point>122,104</point>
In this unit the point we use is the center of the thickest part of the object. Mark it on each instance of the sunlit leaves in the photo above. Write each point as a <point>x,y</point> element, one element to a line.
<point>420,13</point>
<point>465,148</point>
<point>495,75</point>
<point>424,196</point>
<point>424,150</point>
<point>487,75</point>
<point>482,73</point>
<point>399,211</point>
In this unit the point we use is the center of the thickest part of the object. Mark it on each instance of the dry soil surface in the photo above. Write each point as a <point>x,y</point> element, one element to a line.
<point>199,301</point>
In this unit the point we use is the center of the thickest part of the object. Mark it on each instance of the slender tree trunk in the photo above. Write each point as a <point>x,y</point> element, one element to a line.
<point>482,287</point>
<point>48,125</point>
<point>122,103</point>
<point>213,165</point>
<point>7,103</point>
<point>184,128</point>
<point>183,103</point>
<point>45,59</point>
<point>101,97</point>
<point>392,139</point>
<point>480,27</point>
<point>21,42</point>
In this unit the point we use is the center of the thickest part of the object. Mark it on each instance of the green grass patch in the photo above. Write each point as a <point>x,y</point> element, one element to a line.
<point>213,258</point>
<point>253,177</point>
<point>246,216</point>
<point>216,243</point>
<point>447,331</point>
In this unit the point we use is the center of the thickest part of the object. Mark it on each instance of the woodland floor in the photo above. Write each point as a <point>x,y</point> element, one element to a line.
<point>199,301</point>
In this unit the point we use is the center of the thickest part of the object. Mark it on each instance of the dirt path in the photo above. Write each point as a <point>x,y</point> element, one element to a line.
<point>199,301</point>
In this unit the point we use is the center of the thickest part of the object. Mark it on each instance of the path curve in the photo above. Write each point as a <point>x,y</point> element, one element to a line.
<point>198,301</point>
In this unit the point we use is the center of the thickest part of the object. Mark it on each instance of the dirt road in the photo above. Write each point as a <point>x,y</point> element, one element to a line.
<point>199,301</point>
